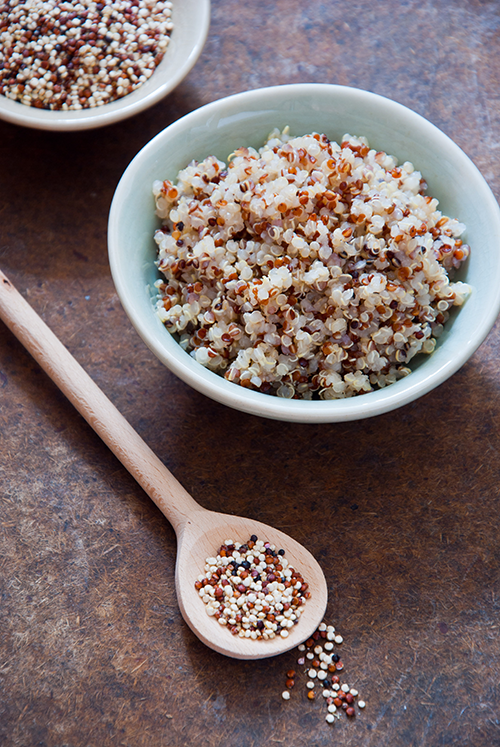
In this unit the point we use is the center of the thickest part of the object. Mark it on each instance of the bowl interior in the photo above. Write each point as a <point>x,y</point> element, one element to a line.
<point>247,119</point>
<point>191,19</point>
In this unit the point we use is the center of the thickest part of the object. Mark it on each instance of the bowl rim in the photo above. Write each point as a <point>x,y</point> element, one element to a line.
<point>85,119</point>
<point>216,387</point>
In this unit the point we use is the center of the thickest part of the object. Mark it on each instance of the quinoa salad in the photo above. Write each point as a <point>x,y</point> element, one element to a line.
<point>307,268</point>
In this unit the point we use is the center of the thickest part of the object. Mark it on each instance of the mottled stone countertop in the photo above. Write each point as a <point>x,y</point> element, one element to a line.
<point>401,510</point>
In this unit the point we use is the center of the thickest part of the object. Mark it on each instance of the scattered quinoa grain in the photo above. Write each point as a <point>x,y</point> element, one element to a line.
<point>361,704</point>
<point>285,695</point>
<point>338,696</point>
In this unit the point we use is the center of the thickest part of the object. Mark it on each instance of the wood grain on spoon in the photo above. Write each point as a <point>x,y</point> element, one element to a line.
<point>199,532</point>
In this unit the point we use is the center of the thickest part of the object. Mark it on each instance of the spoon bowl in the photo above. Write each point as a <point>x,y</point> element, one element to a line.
<point>201,536</point>
<point>199,532</point>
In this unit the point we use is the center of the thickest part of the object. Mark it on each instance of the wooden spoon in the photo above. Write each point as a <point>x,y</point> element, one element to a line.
<point>199,532</point>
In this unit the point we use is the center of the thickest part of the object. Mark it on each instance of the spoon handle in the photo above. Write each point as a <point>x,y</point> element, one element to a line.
<point>160,485</point>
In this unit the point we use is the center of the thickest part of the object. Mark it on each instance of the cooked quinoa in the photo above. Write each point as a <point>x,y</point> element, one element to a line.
<point>306,268</point>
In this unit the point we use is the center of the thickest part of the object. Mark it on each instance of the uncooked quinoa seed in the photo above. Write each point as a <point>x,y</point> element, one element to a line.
<point>327,668</point>
<point>306,268</point>
<point>252,589</point>
<point>79,53</point>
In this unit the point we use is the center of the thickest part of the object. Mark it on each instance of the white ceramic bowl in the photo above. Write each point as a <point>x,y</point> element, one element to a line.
<point>191,19</point>
<point>246,119</point>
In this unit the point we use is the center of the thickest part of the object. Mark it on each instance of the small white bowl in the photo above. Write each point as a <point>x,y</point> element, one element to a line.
<point>191,19</point>
<point>246,119</point>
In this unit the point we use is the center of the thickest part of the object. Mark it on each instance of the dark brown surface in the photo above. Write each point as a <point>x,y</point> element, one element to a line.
<point>401,510</point>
